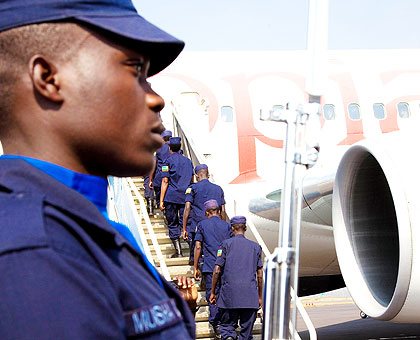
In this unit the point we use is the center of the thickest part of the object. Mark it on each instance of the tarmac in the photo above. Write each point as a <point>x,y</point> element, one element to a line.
<point>335,316</point>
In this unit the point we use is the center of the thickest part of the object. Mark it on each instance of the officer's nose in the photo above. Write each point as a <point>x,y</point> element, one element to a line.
<point>154,101</point>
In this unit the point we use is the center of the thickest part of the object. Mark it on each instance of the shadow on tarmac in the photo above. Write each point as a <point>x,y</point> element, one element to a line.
<point>366,329</point>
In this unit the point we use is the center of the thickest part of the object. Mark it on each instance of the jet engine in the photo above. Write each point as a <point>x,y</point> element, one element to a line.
<point>376,206</point>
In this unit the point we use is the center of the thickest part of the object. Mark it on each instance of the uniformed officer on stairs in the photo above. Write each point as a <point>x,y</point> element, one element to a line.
<point>209,236</point>
<point>177,175</point>
<point>195,196</point>
<point>155,178</point>
<point>239,265</point>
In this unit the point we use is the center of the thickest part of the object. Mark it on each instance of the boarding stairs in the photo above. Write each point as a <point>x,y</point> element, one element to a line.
<point>160,248</point>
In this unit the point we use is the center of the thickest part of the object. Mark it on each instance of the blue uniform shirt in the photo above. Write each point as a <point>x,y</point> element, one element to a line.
<point>179,170</point>
<point>197,194</point>
<point>67,274</point>
<point>239,259</point>
<point>211,232</point>
<point>95,189</point>
<point>161,155</point>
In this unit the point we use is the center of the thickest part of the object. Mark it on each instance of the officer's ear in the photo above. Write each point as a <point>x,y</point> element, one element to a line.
<point>44,76</point>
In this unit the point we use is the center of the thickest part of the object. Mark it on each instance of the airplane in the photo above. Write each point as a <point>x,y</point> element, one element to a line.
<point>360,211</point>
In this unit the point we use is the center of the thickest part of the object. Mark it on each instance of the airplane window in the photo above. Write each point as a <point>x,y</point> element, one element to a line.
<point>226,113</point>
<point>277,107</point>
<point>276,111</point>
<point>329,112</point>
<point>379,110</point>
<point>403,110</point>
<point>354,111</point>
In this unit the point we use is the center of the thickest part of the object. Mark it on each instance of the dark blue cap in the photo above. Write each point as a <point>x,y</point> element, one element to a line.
<point>115,16</point>
<point>210,204</point>
<point>175,140</point>
<point>166,133</point>
<point>199,167</point>
<point>238,220</point>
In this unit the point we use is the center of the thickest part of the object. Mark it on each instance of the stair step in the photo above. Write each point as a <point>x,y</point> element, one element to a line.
<point>202,314</point>
<point>162,238</point>
<point>157,229</point>
<point>181,270</point>
<point>168,248</point>
<point>177,261</point>
<point>163,231</point>
<point>205,330</point>
<point>168,254</point>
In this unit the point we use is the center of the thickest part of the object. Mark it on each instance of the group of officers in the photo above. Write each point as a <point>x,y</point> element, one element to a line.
<point>230,264</point>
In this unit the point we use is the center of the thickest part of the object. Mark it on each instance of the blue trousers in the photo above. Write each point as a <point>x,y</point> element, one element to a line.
<point>174,213</point>
<point>191,238</point>
<point>148,193</point>
<point>157,193</point>
<point>191,243</point>
<point>229,321</point>
<point>214,317</point>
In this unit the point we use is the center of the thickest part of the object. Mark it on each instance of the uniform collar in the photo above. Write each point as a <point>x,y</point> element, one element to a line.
<point>240,235</point>
<point>94,188</point>
<point>17,175</point>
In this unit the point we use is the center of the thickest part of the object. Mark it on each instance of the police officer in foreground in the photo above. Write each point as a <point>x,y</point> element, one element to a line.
<point>155,181</point>
<point>240,295</point>
<point>195,196</point>
<point>209,236</point>
<point>75,108</point>
<point>177,175</point>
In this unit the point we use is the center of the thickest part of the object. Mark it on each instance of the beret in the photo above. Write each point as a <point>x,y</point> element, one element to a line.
<point>175,140</point>
<point>211,204</point>
<point>199,167</point>
<point>238,220</point>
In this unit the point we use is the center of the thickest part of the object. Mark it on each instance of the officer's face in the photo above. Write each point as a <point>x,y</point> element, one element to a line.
<point>114,127</point>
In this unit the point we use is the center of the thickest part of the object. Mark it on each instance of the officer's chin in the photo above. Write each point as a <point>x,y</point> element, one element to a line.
<point>140,168</point>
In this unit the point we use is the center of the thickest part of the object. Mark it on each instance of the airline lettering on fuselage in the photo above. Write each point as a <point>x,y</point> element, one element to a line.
<point>247,133</point>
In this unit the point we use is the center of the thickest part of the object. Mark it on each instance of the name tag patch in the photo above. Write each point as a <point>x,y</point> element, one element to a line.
<point>219,252</point>
<point>152,318</point>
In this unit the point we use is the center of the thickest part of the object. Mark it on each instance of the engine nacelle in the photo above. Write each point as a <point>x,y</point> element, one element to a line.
<point>376,207</point>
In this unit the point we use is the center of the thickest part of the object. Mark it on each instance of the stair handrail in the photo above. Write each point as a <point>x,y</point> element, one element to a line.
<point>124,193</point>
<point>121,187</point>
<point>191,147</point>
<point>143,213</point>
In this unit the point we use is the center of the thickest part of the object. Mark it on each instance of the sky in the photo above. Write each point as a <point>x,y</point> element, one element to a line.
<point>282,24</point>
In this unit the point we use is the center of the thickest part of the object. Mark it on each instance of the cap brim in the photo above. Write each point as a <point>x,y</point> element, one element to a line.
<point>161,47</point>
